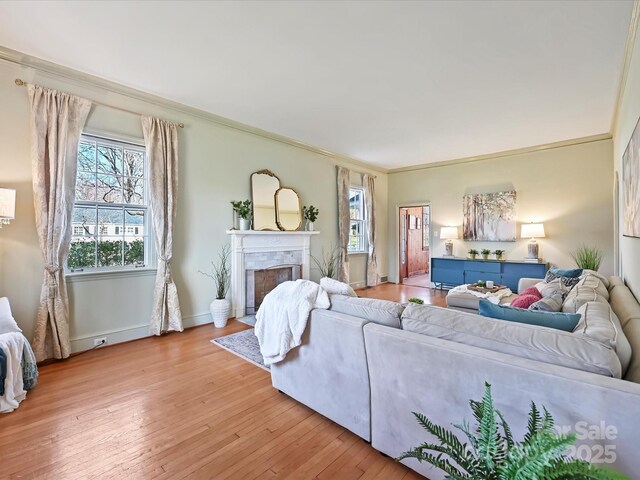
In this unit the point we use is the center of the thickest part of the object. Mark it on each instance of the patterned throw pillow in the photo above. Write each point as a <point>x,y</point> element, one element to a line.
<point>552,303</point>
<point>567,281</point>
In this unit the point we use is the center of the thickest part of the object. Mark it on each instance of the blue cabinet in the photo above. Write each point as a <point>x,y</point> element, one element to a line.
<point>454,271</point>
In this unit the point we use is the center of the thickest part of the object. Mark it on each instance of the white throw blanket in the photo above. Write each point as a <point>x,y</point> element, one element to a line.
<point>282,317</point>
<point>14,392</point>
<point>492,297</point>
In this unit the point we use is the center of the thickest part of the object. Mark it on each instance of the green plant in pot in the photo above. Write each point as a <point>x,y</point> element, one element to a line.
<point>588,258</point>
<point>473,253</point>
<point>485,253</point>
<point>327,264</point>
<point>310,214</point>
<point>498,254</point>
<point>417,301</point>
<point>221,276</point>
<point>494,454</point>
<point>243,210</point>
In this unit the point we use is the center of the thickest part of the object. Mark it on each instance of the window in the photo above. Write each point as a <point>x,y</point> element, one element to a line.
<point>358,230</point>
<point>110,215</point>
<point>426,227</point>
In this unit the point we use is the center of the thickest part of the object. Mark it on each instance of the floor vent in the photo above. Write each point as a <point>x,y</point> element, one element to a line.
<point>384,279</point>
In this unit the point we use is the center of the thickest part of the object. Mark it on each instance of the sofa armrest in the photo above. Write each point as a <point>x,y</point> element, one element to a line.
<point>525,283</point>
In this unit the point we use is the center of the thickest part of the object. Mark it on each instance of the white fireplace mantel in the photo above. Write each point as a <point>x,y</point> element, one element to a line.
<point>245,242</point>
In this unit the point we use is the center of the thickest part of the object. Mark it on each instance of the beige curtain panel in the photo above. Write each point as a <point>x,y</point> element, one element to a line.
<point>344,222</point>
<point>161,141</point>
<point>57,119</point>
<point>368,181</point>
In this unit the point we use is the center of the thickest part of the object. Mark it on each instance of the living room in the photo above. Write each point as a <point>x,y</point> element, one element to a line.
<point>417,103</point>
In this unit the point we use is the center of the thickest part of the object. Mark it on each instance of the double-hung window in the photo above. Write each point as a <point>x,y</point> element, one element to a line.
<point>358,227</point>
<point>110,224</point>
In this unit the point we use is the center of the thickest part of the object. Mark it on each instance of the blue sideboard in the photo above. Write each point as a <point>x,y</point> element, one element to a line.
<point>454,271</point>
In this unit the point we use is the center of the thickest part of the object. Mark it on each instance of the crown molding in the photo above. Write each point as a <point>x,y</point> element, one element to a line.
<point>628,55</point>
<point>82,79</point>
<point>506,153</point>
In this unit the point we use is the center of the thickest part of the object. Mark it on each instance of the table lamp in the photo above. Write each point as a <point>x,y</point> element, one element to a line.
<point>448,234</point>
<point>7,205</point>
<point>533,231</point>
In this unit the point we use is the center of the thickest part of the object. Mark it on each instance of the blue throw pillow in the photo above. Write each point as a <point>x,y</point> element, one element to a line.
<point>571,273</point>
<point>557,320</point>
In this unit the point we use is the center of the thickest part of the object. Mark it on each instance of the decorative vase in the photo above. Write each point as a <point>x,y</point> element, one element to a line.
<point>309,226</point>
<point>220,309</point>
<point>499,257</point>
<point>245,223</point>
<point>472,256</point>
<point>485,256</point>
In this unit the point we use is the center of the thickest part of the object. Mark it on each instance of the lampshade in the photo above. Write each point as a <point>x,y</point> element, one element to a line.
<point>449,233</point>
<point>7,204</point>
<point>532,230</point>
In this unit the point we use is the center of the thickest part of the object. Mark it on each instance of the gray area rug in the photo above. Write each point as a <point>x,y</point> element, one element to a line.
<point>243,344</point>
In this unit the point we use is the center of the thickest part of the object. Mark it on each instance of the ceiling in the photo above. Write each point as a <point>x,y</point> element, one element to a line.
<point>389,83</point>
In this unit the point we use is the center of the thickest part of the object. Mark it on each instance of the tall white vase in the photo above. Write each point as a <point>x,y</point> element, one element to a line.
<point>245,224</point>
<point>220,309</point>
<point>309,226</point>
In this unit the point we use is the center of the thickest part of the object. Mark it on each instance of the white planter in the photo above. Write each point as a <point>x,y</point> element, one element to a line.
<point>309,226</point>
<point>220,312</point>
<point>245,223</point>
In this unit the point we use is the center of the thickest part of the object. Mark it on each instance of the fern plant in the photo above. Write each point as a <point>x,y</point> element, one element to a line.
<point>493,454</point>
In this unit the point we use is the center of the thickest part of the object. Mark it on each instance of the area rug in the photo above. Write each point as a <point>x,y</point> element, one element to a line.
<point>243,344</point>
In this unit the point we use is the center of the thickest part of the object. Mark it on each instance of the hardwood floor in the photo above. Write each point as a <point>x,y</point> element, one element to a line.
<point>175,407</point>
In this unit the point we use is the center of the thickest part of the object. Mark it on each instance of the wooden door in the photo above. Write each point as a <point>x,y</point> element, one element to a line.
<point>414,257</point>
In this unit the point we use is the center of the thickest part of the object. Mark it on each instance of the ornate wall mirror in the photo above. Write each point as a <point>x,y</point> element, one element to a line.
<point>288,209</point>
<point>264,185</point>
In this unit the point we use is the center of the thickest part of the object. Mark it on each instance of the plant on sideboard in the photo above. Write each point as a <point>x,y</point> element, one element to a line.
<point>221,276</point>
<point>587,258</point>
<point>473,253</point>
<point>485,252</point>
<point>328,262</point>
<point>494,454</point>
<point>310,214</point>
<point>498,253</point>
<point>243,210</point>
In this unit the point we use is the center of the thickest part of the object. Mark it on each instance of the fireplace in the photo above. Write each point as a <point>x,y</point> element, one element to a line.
<point>274,257</point>
<point>261,281</point>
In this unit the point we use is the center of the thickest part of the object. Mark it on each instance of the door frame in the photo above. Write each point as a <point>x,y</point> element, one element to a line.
<point>425,203</point>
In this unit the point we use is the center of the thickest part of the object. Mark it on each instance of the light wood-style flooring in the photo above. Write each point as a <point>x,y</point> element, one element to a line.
<point>175,407</point>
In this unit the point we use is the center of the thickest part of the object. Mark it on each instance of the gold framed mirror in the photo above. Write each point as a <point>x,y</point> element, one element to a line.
<point>264,185</point>
<point>288,209</point>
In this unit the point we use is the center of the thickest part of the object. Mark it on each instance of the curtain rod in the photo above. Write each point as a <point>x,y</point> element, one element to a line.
<point>22,83</point>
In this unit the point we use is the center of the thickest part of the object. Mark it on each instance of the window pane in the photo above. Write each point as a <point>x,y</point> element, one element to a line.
<point>134,250</point>
<point>109,251</point>
<point>87,156</point>
<point>83,221</point>
<point>134,222</point>
<point>109,189</point>
<point>86,187</point>
<point>133,163</point>
<point>133,190</point>
<point>108,220</point>
<point>356,238</point>
<point>109,160</point>
<point>82,253</point>
<point>355,204</point>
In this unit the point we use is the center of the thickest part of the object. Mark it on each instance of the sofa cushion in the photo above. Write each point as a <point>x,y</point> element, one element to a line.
<point>7,322</point>
<point>524,300</point>
<point>332,286</point>
<point>605,281</point>
<point>559,272</point>
<point>527,341</point>
<point>554,287</point>
<point>632,331</point>
<point>625,305</point>
<point>589,289</point>
<point>377,311</point>
<point>614,282</point>
<point>552,303</point>
<point>556,320</point>
<point>599,321</point>
<point>567,281</point>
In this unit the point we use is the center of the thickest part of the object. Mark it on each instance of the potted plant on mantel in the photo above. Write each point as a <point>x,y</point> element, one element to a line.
<point>473,253</point>
<point>310,214</point>
<point>485,253</point>
<point>221,275</point>
<point>243,210</point>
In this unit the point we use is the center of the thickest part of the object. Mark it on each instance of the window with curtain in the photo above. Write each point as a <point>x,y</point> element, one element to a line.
<point>358,230</point>
<point>110,215</point>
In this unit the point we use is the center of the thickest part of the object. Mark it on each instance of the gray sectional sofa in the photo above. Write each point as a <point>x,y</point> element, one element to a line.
<point>368,364</point>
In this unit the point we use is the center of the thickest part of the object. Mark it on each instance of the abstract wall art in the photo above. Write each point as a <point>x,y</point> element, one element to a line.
<point>489,217</point>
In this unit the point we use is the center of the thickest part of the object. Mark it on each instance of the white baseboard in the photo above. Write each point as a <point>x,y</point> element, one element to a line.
<point>133,332</point>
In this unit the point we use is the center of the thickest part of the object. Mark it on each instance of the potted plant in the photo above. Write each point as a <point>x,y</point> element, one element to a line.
<point>587,258</point>
<point>498,254</point>
<point>310,214</point>
<point>493,452</point>
<point>473,253</point>
<point>485,253</point>
<point>417,301</point>
<point>221,275</point>
<point>243,210</point>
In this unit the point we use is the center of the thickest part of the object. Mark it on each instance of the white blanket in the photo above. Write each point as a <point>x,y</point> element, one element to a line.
<point>492,297</point>
<point>14,392</point>
<point>282,317</point>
